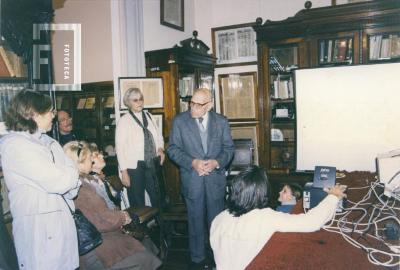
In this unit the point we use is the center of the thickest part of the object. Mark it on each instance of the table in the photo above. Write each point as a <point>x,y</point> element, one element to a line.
<point>317,250</point>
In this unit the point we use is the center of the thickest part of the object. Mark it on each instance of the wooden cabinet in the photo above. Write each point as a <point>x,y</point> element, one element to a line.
<point>183,68</point>
<point>93,114</point>
<point>358,33</point>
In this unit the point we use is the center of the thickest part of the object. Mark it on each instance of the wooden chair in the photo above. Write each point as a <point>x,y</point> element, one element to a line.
<point>144,214</point>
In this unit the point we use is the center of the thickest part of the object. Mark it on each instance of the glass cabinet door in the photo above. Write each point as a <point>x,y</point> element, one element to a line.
<point>206,80</point>
<point>282,119</point>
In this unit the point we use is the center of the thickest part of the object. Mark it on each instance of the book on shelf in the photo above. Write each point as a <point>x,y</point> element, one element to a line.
<point>330,44</point>
<point>81,104</point>
<point>395,46</point>
<point>322,51</point>
<point>336,50</point>
<point>283,89</point>
<point>275,65</point>
<point>384,46</point>
<point>342,48</point>
<point>349,53</point>
<point>335,56</point>
<point>109,102</point>
<point>90,102</point>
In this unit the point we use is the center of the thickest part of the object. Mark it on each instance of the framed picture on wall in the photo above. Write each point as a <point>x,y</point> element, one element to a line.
<point>152,89</point>
<point>172,14</point>
<point>158,121</point>
<point>246,131</point>
<point>238,95</point>
<point>235,44</point>
<point>340,2</point>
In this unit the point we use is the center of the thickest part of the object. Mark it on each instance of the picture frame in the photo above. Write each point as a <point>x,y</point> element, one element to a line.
<point>341,2</point>
<point>152,89</point>
<point>158,121</point>
<point>234,45</point>
<point>238,96</point>
<point>247,131</point>
<point>172,14</point>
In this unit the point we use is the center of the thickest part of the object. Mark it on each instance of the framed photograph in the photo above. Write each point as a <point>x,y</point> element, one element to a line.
<point>341,2</point>
<point>152,89</point>
<point>238,96</point>
<point>172,14</point>
<point>158,120</point>
<point>246,131</point>
<point>235,44</point>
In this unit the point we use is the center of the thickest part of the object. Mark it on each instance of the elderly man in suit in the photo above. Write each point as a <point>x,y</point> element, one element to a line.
<point>201,145</point>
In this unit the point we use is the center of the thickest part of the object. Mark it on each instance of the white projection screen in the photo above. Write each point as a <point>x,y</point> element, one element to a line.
<point>347,115</point>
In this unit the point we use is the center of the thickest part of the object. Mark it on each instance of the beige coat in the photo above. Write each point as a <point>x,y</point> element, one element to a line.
<point>116,246</point>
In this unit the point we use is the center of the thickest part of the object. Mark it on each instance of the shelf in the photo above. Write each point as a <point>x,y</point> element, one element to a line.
<point>388,60</point>
<point>333,64</point>
<point>283,143</point>
<point>283,120</point>
<point>282,100</point>
<point>282,73</point>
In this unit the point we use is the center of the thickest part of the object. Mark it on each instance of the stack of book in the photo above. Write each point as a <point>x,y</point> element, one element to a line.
<point>333,51</point>
<point>283,89</point>
<point>275,65</point>
<point>384,47</point>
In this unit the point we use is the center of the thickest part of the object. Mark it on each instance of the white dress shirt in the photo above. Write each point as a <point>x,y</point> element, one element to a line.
<point>129,140</point>
<point>237,240</point>
<point>37,173</point>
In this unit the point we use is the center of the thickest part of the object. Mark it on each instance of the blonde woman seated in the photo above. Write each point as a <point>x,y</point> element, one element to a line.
<point>240,232</point>
<point>103,189</point>
<point>118,251</point>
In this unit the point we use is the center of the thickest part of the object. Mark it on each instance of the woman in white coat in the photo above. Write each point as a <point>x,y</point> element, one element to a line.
<point>139,144</point>
<point>37,173</point>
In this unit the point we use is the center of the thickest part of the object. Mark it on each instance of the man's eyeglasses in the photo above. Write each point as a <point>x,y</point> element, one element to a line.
<point>198,105</point>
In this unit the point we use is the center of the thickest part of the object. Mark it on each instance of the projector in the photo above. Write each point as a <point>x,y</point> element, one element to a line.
<point>388,170</point>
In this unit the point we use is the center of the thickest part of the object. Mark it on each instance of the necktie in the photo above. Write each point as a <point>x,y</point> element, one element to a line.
<point>202,128</point>
<point>203,134</point>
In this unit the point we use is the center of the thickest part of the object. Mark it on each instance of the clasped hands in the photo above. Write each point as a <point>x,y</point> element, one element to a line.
<point>204,167</point>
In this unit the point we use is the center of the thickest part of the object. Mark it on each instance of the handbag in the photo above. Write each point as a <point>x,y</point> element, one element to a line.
<point>88,236</point>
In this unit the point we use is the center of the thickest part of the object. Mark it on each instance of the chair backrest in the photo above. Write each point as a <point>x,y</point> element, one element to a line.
<point>243,158</point>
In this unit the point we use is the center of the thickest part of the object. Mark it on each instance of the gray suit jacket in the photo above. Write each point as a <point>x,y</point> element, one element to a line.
<point>185,146</point>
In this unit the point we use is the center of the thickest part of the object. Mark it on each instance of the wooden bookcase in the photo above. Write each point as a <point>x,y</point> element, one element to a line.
<point>350,34</point>
<point>93,114</point>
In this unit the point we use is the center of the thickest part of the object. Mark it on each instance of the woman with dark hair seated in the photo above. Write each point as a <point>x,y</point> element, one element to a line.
<point>240,232</point>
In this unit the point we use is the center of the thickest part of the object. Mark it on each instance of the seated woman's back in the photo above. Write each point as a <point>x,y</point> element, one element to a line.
<point>239,233</point>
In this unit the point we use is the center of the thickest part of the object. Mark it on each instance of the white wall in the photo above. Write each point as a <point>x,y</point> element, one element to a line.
<point>200,15</point>
<point>95,20</point>
<point>157,36</point>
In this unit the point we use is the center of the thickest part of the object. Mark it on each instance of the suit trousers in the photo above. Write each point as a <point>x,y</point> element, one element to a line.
<point>142,178</point>
<point>198,208</point>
